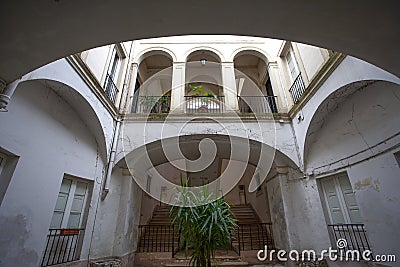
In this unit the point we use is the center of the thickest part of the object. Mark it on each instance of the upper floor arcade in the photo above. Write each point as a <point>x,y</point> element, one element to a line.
<point>205,74</point>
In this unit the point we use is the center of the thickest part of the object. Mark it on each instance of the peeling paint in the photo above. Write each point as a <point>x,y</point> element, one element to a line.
<point>14,234</point>
<point>367,183</point>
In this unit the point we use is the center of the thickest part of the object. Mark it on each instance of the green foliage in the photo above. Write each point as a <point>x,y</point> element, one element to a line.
<point>196,89</point>
<point>203,227</point>
<point>148,102</point>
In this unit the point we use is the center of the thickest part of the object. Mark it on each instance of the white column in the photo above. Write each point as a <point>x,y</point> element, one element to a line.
<point>229,85</point>
<point>131,87</point>
<point>282,99</point>
<point>178,87</point>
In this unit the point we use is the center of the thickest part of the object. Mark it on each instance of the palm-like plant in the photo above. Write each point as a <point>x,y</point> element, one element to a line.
<point>203,227</point>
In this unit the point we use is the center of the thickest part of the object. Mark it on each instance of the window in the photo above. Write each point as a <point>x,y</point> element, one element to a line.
<point>70,205</point>
<point>292,64</point>
<point>65,235</point>
<point>340,201</point>
<point>8,163</point>
<point>148,184</point>
<point>297,87</point>
<point>344,217</point>
<point>114,65</point>
<point>112,74</point>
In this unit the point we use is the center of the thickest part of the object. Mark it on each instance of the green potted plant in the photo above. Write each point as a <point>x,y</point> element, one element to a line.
<point>205,100</point>
<point>203,227</point>
<point>147,102</point>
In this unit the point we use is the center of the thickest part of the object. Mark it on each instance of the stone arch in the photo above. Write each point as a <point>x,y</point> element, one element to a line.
<point>353,123</point>
<point>154,51</point>
<point>360,71</point>
<point>80,104</point>
<point>214,52</point>
<point>255,51</point>
<point>204,78</point>
<point>84,32</point>
<point>138,136</point>
<point>154,62</point>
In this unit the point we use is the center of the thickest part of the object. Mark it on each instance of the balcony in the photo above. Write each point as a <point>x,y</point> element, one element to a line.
<point>354,234</point>
<point>257,104</point>
<point>110,88</point>
<point>204,104</point>
<point>151,104</point>
<point>297,89</point>
<point>62,246</point>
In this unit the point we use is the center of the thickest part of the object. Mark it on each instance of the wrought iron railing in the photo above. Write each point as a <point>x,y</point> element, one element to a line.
<point>110,88</point>
<point>157,238</point>
<point>62,246</point>
<point>354,234</point>
<point>151,104</point>
<point>204,104</point>
<point>297,89</point>
<point>258,104</point>
<point>165,238</point>
<point>253,236</point>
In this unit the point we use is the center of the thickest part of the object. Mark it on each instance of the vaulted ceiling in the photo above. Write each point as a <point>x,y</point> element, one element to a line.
<point>35,33</point>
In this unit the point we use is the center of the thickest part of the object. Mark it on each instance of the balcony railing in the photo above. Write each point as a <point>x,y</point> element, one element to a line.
<point>354,234</point>
<point>165,238</point>
<point>204,104</point>
<point>258,104</point>
<point>151,104</point>
<point>253,236</point>
<point>110,88</point>
<point>62,246</point>
<point>157,238</point>
<point>297,89</point>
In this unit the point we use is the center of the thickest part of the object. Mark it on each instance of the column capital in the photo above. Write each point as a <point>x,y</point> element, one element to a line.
<point>273,64</point>
<point>178,63</point>
<point>227,63</point>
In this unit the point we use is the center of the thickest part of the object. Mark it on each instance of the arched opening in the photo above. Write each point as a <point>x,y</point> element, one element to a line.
<point>203,83</point>
<point>253,83</point>
<point>152,93</point>
<point>351,147</point>
<point>79,104</point>
<point>53,120</point>
<point>259,215</point>
<point>350,122</point>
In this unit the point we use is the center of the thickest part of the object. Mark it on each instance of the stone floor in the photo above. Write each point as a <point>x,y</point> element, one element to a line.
<point>226,258</point>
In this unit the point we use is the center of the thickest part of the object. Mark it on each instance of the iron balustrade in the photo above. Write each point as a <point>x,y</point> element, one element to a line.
<point>110,88</point>
<point>204,104</point>
<point>62,246</point>
<point>253,236</point>
<point>297,89</point>
<point>166,238</point>
<point>354,234</point>
<point>151,104</point>
<point>258,104</point>
<point>158,238</point>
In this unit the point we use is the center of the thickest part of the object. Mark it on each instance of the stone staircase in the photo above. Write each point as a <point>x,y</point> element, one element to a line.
<point>158,235</point>
<point>158,240</point>
<point>160,215</point>
<point>252,234</point>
